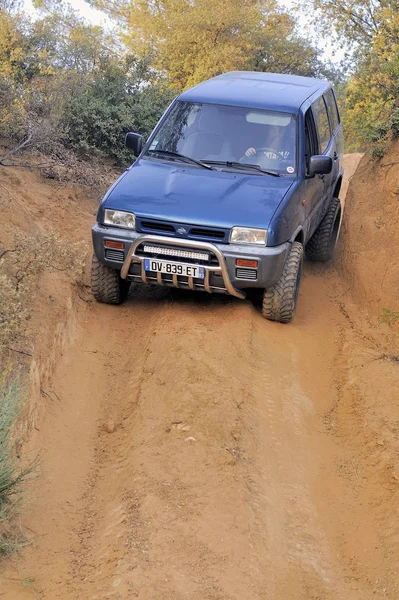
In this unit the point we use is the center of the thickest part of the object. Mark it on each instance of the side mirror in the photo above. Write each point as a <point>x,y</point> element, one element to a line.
<point>134,141</point>
<point>319,165</point>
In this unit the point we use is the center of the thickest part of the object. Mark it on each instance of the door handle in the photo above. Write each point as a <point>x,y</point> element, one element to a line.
<point>335,155</point>
<point>321,176</point>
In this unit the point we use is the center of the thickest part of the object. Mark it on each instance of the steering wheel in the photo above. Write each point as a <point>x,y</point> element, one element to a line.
<point>273,154</point>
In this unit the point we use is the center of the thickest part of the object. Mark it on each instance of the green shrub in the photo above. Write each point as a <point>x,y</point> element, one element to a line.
<point>388,316</point>
<point>148,105</point>
<point>12,475</point>
<point>98,118</point>
<point>118,99</point>
<point>378,151</point>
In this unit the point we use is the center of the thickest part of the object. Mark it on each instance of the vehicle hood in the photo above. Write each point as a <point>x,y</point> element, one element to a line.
<point>186,194</point>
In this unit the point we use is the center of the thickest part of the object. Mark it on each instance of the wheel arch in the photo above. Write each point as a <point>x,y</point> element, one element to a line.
<point>298,235</point>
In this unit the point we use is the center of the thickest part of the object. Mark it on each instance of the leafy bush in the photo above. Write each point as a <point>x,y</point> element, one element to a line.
<point>113,102</point>
<point>378,151</point>
<point>12,475</point>
<point>97,119</point>
<point>148,105</point>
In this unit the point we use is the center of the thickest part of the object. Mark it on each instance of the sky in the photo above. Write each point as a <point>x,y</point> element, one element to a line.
<point>92,14</point>
<point>98,18</point>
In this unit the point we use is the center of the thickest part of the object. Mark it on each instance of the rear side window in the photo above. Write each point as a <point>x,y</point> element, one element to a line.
<point>322,124</point>
<point>332,109</point>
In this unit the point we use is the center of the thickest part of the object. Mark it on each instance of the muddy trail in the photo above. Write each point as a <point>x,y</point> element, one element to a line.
<point>190,450</point>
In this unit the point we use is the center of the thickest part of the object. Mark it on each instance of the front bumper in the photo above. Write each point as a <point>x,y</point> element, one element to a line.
<point>221,276</point>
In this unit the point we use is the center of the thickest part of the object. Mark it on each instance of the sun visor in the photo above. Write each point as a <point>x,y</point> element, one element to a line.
<point>268,118</point>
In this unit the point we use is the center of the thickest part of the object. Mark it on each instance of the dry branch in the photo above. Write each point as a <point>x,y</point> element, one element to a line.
<point>15,150</point>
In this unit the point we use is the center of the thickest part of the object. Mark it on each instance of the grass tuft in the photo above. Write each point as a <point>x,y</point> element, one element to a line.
<point>388,316</point>
<point>12,475</point>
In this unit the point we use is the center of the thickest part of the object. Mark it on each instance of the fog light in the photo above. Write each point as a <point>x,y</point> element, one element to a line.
<point>242,262</point>
<point>112,244</point>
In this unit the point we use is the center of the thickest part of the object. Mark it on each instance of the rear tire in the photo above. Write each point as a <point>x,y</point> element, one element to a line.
<point>322,244</point>
<point>279,301</point>
<point>106,283</point>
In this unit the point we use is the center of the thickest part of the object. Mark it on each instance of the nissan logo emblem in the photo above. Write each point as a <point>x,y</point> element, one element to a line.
<point>181,230</point>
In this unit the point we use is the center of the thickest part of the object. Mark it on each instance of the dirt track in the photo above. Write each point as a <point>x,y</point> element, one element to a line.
<point>194,451</point>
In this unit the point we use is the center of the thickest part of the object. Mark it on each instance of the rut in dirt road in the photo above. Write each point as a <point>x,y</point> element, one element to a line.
<point>198,452</point>
<point>198,481</point>
<point>205,487</point>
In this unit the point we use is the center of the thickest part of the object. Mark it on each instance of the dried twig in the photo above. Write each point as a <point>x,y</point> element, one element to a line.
<point>46,394</point>
<point>26,165</point>
<point>20,351</point>
<point>14,150</point>
<point>390,163</point>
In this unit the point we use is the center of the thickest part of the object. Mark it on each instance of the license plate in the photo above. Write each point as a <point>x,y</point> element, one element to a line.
<point>173,268</point>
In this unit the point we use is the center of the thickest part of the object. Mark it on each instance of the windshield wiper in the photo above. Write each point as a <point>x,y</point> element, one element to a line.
<point>239,165</point>
<point>187,159</point>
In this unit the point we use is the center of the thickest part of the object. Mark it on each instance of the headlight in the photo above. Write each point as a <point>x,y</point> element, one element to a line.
<point>119,218</point>
<point>248,235</point>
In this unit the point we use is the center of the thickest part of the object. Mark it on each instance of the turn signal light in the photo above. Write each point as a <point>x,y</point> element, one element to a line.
<point>242,262</point>
<point>112,244</point>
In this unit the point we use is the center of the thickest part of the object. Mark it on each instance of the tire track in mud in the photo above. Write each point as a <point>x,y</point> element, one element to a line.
<point>289,434</point>
<point>169,490</point>
<point>225,515</point>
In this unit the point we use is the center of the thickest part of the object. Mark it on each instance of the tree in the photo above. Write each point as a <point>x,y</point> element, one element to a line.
<point>372,102</point>
<point>281,49</point>
<point>14,47</point>
<point>354,20</point>
<point>192,40</point>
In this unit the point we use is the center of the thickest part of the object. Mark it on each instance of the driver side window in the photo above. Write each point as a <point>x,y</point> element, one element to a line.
<point>311,143</point>
<point>322,123</point>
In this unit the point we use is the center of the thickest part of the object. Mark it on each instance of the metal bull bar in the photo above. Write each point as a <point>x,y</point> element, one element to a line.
<point>190,244</point>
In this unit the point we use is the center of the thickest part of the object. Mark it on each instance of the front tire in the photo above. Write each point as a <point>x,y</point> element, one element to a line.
<point>322,244</point>
<point>106,283</point>
<point>279,301</point>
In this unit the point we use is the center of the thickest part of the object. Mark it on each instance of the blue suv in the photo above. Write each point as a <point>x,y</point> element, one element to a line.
<point>238,180</point>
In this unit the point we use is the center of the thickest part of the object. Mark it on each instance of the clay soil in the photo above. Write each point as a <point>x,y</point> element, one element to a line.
<point>191,450</point>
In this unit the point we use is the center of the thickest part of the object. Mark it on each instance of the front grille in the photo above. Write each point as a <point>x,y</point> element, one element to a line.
<point>207,233</point>
<point>251,274</point>
<point>115,255</point>
<point>154,226</point>
<point>147,225</point>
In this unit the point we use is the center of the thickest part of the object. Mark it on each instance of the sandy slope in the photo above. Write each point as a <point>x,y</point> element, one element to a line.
<point>195,451</point>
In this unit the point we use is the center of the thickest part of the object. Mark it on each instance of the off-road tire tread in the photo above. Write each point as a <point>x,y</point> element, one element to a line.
<point>321,245</point>
<point>106,284</point>
<point>279,301</point>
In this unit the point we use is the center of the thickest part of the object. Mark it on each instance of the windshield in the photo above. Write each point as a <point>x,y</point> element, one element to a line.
<point>226,134</point>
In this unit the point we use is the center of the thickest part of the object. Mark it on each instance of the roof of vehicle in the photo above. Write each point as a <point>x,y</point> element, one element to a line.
<point>256,90</point>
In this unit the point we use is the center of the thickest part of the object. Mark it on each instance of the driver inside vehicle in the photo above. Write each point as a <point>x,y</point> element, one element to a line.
<point>273,145</point>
